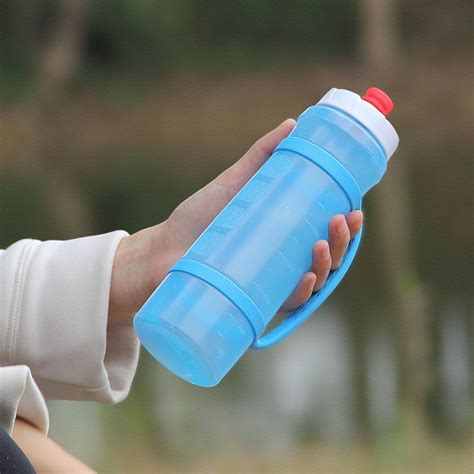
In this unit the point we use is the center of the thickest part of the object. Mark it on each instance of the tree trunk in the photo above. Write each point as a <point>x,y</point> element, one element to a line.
<point>382,60</point>
<point>59,60</point>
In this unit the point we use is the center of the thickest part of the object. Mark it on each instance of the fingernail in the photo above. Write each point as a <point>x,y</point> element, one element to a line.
<point>361,215</point>
<point>325,252</point>
<point>341,227</point>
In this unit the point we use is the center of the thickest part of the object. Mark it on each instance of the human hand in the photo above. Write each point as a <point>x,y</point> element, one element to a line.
<point>143,259</point>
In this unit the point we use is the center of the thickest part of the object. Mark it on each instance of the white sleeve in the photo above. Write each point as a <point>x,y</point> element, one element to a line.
<point>20,396</point>
<point>53,318</point>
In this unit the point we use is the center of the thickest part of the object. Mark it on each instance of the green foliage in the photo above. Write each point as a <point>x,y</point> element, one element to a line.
<point>156,36</point>
<point>141,36</point>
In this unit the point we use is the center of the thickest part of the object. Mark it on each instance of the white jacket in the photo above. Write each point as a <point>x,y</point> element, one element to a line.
<point>54,339</point>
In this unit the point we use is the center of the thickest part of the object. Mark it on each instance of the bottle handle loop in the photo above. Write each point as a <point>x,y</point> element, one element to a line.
<point>301,314</point>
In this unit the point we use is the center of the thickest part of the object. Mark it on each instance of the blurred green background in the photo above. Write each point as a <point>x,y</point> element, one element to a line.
<point>112,112</point>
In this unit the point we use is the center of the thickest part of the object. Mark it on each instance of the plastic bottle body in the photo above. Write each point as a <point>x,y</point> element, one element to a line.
<point>346,140</point>
<point>263,239</point>
<point>193,330</point>
<point>262,242</point>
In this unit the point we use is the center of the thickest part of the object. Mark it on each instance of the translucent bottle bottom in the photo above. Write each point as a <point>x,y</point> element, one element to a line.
<point>177,352</point>
<point>193,330</point>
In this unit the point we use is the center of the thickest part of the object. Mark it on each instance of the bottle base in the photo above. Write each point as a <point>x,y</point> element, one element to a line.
<point>177,352</point>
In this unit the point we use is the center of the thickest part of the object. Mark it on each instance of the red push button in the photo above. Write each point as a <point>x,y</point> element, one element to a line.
<point>379,99</point>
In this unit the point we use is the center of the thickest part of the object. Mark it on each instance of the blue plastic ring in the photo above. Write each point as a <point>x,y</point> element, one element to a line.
<point>225,286</point>
<point>328,163</point>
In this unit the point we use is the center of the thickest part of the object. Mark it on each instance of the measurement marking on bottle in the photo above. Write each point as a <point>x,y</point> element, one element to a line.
<point>316,232</point>
<point>288,262</point>
<point>296,240</point>
<point>263,293</point>
<point>238,323</point>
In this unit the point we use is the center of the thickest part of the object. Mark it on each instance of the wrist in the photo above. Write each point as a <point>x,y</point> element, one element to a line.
<point>139,266</point>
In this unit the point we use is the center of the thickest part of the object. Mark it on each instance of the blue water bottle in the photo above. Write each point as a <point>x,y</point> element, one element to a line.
<point>216,301</point>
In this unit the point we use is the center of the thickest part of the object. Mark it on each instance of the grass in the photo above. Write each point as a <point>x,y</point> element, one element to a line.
<point>433,458</point>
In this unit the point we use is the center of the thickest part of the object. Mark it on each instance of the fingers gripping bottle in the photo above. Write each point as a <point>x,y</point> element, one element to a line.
<point>216,301</point>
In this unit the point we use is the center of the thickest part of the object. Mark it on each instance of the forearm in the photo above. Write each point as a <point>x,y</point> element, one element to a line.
<point>45,455</point>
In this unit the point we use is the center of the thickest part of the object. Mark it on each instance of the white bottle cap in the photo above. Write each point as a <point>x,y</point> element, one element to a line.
<point>369,110</point>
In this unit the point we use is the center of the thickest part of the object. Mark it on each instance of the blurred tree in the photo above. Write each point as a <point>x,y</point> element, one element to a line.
<point>381,54</point>
<point>58,61</point>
